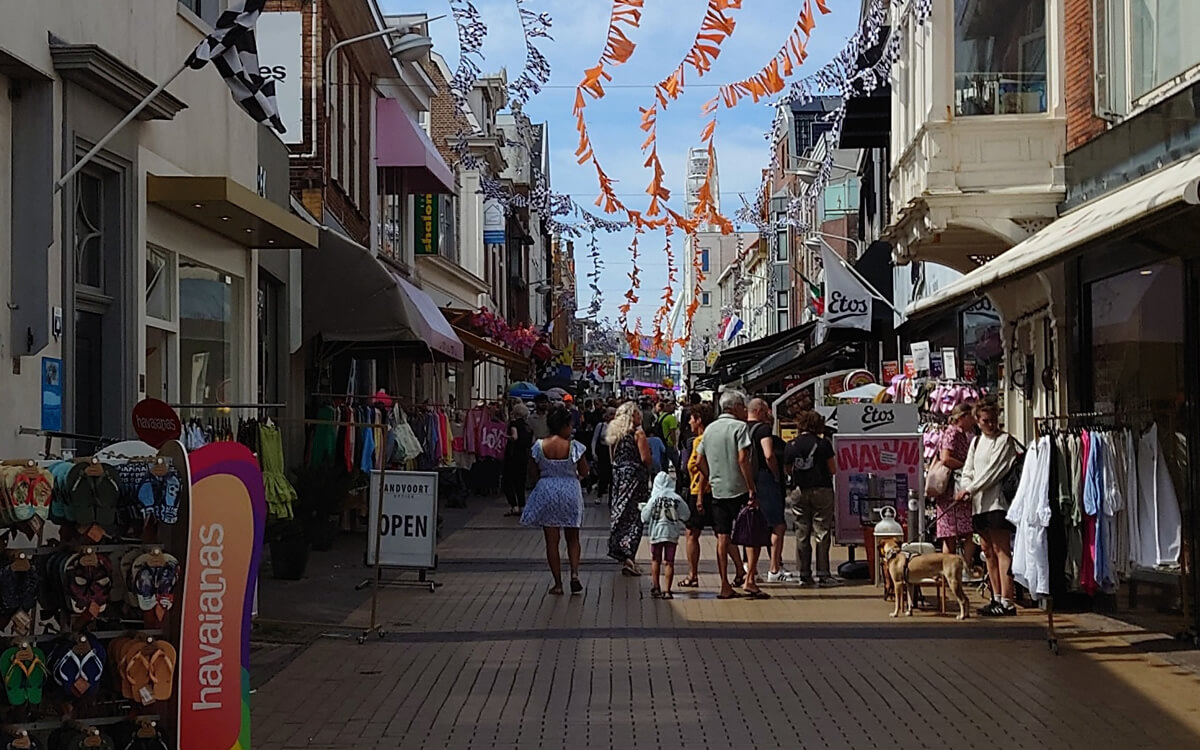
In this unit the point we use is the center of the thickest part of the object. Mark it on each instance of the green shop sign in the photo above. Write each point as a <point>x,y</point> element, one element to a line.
<point>425,226</point>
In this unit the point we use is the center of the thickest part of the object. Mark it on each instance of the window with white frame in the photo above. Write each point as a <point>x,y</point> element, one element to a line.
<point>1144,48</point>
<point>999,57</point>
<point>783,309</point>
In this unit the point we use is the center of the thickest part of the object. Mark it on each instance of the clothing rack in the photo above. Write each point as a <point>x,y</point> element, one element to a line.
<point>227,406</point>
<point>51,435</point>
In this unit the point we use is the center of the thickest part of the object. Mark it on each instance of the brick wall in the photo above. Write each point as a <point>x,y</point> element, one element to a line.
<point>310,175</point>
<point>446,120</point>
<point>1082,123</point>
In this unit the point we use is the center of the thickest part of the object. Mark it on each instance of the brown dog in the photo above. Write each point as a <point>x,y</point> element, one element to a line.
<point>906,569</point>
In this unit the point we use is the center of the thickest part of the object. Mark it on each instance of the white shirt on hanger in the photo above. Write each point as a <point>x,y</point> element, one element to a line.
<point>1030,513</point>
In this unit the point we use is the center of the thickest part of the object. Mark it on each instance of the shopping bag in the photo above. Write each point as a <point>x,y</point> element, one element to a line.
<point>750,529</point>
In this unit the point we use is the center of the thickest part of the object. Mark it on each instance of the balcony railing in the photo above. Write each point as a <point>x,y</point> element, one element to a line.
<point>987,93</point>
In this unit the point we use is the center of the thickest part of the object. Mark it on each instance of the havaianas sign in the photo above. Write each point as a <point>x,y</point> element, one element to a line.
<point>226,519</point>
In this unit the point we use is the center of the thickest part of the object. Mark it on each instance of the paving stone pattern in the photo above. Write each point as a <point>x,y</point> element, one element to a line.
<point>490,661</point>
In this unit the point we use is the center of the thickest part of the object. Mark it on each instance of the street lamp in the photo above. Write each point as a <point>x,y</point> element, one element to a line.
<point>410,47</point>
<point>810,169</point>
<point>816,239</point>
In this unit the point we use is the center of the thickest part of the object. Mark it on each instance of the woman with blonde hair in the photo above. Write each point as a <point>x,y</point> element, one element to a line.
<point>631,459</point>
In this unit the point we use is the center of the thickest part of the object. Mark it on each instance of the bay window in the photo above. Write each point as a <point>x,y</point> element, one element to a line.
<point>999,57</point>
<point>1143,47</point>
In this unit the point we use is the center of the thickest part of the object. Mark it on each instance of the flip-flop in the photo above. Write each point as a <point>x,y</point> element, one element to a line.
<point>759,595</point>
<point>14,683</point>
<point>162,669</point>
<point>730,595</point>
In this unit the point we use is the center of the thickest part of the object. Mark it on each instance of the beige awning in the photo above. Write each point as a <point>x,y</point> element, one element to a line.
<point>224,206</point>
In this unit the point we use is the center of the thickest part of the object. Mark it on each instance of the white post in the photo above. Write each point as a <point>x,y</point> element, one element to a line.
<point>100,144</point>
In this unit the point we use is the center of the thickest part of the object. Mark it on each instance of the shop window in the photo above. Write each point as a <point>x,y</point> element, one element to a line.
<point>209,322</point>
<point>999,57</point>
<point>1137,337</point>
<point>983,343</point>
<point>1143,47</point>
<point>160,285</point>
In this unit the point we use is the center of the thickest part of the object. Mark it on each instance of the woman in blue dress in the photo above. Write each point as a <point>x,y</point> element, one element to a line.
<point>556,502</point>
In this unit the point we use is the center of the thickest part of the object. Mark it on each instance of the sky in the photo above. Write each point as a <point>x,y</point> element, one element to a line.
<point>667,31</point>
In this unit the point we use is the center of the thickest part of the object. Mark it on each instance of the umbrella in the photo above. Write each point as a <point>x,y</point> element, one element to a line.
<point>523,390</point>
<point>866,392</point>
<point>556,394</point>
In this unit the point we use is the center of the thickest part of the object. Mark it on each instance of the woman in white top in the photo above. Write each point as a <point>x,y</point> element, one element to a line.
<point>990,458</point>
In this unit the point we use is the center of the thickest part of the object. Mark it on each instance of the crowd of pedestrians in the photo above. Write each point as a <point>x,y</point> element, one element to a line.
<point>672,471</point>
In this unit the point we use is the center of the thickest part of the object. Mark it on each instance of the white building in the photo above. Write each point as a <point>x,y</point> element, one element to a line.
<point>141,277</point>
<point>978,128</point>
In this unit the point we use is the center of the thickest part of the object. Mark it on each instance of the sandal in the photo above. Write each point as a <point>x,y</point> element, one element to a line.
<point>556,590</point>
<point>667,595</point>
<point>576,586</point>
<point>655,593</point>
<point>689,583</point>
<point>757,594</point>
<point>730,595</point>
<point>739,581</point>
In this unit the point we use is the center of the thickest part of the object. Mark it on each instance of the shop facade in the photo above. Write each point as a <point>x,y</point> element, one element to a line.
<point>140,277</point>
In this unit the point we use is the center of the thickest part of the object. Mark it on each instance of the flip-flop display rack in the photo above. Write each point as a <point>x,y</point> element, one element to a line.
<point>90,553</point>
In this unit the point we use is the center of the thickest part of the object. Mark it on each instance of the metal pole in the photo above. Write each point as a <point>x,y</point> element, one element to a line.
<point>378,568</point>
<point>100,144</point>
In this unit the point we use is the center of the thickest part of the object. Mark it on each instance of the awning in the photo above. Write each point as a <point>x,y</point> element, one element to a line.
<point>402,145</point>
<point>491,350</point>
<point>732,362</point>
<point>829,356</point>
<point>350,296</point>
<point>222,205</point>
<point>1103,216</point>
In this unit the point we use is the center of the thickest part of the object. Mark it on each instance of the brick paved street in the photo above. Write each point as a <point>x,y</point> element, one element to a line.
<point>489,661</point>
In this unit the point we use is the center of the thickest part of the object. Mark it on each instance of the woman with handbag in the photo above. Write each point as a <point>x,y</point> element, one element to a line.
<point>954,517</point>
<point>985,482</point>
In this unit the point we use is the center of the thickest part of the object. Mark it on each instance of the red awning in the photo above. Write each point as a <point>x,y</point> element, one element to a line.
<point>403,145</point>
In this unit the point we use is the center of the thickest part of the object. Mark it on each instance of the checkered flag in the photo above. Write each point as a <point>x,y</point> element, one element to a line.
<point>232,49</point>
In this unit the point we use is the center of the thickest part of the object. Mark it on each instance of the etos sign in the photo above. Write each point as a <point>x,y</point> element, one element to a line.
<point>155,422</point>
<point>877,419</point>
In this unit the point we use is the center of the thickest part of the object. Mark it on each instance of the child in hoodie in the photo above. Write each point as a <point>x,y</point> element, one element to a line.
<point>664,516</point>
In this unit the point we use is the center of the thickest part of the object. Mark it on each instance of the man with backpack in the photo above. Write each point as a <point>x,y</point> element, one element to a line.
<point>811,466</point>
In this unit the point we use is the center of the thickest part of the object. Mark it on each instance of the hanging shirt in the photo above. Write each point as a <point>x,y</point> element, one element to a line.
<point>1159,521</point>
<point>493,436</point>
<point>1030,514</point>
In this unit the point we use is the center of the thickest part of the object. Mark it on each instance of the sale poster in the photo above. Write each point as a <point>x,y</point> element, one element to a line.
<point>873,472</point>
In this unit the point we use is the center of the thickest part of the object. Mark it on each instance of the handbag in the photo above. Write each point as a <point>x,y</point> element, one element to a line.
<point>750,529</point>
<point>1011,481</point>
<point>937,481</point>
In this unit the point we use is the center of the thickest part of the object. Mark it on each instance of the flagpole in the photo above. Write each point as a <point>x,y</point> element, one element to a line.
<point>100,144</point>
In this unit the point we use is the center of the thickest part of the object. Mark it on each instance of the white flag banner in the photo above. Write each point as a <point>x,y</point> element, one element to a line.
<point>847,300</point>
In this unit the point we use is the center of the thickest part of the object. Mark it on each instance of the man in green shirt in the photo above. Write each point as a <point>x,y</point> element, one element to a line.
<point>668,424</point>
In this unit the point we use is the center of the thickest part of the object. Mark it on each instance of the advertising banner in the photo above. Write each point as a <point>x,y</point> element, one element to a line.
<point>426,224</point>
<point>280,37</point>
<point>878,419</point>
<point>873,471</point>
<point>227,514</point>
<point>407,527</point>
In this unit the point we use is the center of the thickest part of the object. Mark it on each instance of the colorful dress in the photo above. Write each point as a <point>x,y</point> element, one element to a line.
<point>631,487</point>
<point>954,519</point>
<point>557,499</point>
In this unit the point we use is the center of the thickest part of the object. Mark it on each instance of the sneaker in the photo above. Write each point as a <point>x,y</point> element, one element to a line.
<point>783,576</point>
<point>996,609</point>
<point>806,581</point>
<point>828,582</point>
